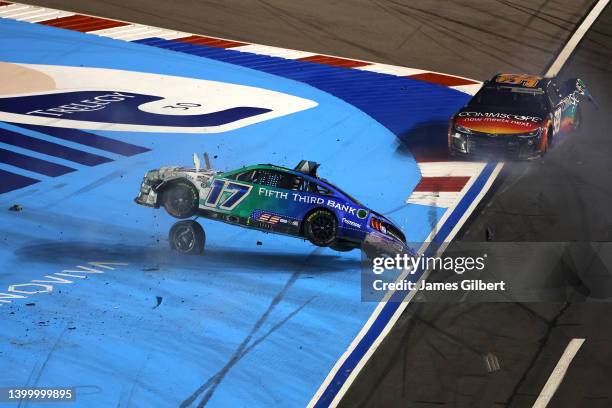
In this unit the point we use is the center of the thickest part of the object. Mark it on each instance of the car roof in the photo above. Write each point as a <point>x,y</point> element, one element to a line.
<point>324,182</point>
<point>518,81</point>
<point>274,167</point>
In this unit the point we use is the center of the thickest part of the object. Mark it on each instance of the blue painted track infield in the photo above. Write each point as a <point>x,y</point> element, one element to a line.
<point>245,324</point>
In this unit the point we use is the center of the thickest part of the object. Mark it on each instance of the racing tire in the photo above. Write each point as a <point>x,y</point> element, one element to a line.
<point>548,142</point>
<point>180,199</point>
<point>549,139</point>
<point>187,237</point>
<point>320,227</point>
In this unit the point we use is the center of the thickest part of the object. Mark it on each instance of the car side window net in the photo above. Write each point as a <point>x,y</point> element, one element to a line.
<point>273,178</point>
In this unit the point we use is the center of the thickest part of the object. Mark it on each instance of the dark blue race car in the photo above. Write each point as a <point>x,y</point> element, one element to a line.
<point>269,198</point>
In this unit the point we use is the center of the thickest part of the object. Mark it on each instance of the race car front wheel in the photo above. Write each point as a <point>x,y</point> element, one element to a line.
<point>320,227</point>
<point>180,199</point>
<point>187,237</point>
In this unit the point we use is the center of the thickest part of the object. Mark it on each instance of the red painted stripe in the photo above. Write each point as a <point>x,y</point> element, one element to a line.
<point>334,61</point>
<point>210,41</point>
<point>441,79</point>
<point>83,23</point>
<point>442,184</point>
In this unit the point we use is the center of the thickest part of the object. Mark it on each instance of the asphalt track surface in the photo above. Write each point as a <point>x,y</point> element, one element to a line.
<point>434,357</point>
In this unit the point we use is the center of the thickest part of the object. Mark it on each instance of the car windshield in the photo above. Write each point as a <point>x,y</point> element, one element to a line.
<point>509,99</point>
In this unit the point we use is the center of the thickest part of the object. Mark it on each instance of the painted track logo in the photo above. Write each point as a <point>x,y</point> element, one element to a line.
<point>108,99</point>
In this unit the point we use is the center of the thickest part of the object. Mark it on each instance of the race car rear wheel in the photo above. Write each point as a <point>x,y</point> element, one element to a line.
<point>180,199</point>
<point>187,237</point>
<point>320,227</point>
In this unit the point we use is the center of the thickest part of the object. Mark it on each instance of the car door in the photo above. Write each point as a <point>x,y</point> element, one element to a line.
<point>283,199</point>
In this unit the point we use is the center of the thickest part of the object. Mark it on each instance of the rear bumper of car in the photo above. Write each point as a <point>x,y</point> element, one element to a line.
<point>384,245</point>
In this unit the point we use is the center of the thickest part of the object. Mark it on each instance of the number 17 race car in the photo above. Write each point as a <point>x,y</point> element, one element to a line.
<point>516,116</point>
<point>272,199</point>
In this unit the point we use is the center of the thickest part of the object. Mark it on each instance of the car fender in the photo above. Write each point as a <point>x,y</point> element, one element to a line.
<point>165,184</point>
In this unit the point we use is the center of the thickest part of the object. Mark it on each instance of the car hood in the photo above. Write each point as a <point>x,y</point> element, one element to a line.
<point>492,121</point>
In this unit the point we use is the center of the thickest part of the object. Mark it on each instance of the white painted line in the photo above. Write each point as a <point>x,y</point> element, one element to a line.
<point>173,35</point>
<point>108,32</point>
<point>572,43</point>
<point>125,30</point>
<point>391,69</point>
<point>33,14</point>
<point>558,373</point>
<point>49,16</point>
<point>468,89</point>
<point>133,31</point>
<point>451,168</point>
<point>150,33</point>
<point>435,198</point>
<point>13,8</point>
<point>273,51</point>
<point>18,15</point>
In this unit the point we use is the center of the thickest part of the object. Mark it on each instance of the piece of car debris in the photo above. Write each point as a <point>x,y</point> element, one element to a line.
<point>159,300</point>
<point>16,208</point>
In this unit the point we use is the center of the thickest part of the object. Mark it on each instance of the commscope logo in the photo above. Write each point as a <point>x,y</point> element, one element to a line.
<point>459,265</point>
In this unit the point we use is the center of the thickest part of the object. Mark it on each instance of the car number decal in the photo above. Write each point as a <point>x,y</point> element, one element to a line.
<point>226,195</point>
<point>527,81</point>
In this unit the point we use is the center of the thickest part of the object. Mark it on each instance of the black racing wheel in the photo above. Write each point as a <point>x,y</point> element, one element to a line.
<point>187,237</point>
<point>320,227</point>
<point>180,199</point>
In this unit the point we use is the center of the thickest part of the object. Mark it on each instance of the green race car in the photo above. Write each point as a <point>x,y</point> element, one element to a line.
<point>270,198</point>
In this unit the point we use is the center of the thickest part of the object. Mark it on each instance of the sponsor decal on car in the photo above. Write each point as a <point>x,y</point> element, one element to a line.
<point>497,115</point>
<point>309,199</point>
<point>351,223</point>
<point>528,81</point>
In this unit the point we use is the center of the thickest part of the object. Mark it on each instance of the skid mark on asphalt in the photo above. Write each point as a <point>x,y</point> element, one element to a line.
<point>135,383</point>
<point>38,370</point>
<point>213,382</point>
